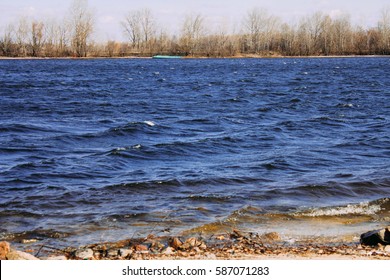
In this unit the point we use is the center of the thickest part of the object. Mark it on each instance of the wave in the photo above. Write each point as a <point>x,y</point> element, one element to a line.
<point>364,208</point>
<point>38,234</point>
<point>26,128</point>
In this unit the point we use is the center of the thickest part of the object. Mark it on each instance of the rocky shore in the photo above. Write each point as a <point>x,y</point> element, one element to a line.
<point>233,245</point>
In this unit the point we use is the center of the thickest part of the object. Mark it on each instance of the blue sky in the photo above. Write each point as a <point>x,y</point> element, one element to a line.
<point>170,13</point>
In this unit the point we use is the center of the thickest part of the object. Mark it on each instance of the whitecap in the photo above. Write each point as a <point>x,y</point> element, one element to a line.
<point>149,123</point>
<point>363,208</point>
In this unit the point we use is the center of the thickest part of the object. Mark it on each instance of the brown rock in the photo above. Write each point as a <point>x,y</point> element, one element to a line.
<point>193,242</point>
<point>156,247</point>
<point>220,237</point>
<point>4,249</point>
<point>175,243</point>
<point>141,248</point>
<point>272,236</point>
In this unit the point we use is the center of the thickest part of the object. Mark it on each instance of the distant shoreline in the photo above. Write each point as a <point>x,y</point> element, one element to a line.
<point>195,57</point>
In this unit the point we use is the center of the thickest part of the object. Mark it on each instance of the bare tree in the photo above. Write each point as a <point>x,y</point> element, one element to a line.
<point>37,38</point>
<point>21,35</point>
<point>288,40</point>
<point>193,29</point>
<point>341,32</point>
<point>132,28</point>
<point>6,41</point>
<point>140,28</point>
<point>147,25</point>
<point>81,24</point>
<point>384,31</point>
<point>259,26</point>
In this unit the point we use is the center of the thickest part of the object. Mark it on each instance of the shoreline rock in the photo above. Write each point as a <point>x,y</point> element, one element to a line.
<point>375,237</point>
<point>4,249</point>
<point>232,245</point>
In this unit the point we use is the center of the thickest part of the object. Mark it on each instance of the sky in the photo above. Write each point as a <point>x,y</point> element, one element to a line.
<point>171,13</point>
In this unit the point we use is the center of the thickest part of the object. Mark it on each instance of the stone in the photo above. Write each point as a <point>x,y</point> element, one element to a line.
<point>141,248</point>
<point>85,254</point>
<point>193,242</point>
<point>125,252</point>
<point>157,246</point>
<point>375,237</point>
<point>387,249</point>
<point>19,255</point>
<point>4,249</point>
<point>175,243</point>
<point>112,253</point>
<point>169,251</point>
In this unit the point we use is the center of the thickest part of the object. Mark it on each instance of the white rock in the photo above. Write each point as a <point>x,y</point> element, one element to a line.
<point>19,255</point>
<point>84,253</point>
<point>168,251</point>
<point>125,252</point>
<point>211,256</point>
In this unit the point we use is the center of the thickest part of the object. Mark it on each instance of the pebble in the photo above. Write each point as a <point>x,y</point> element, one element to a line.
<point>125,252</point>
<point>113,253</point>
<point>85,253</point>
<point>387,249</point>
<point>141,248</point>
<point>193,242</point>
<point>169,251</point>
<point>175,243</point>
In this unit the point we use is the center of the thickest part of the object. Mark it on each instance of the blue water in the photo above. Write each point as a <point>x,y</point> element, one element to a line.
<point>103,149</point>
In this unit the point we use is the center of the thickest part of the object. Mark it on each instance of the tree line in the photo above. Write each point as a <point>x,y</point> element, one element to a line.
<point>260,33</point>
